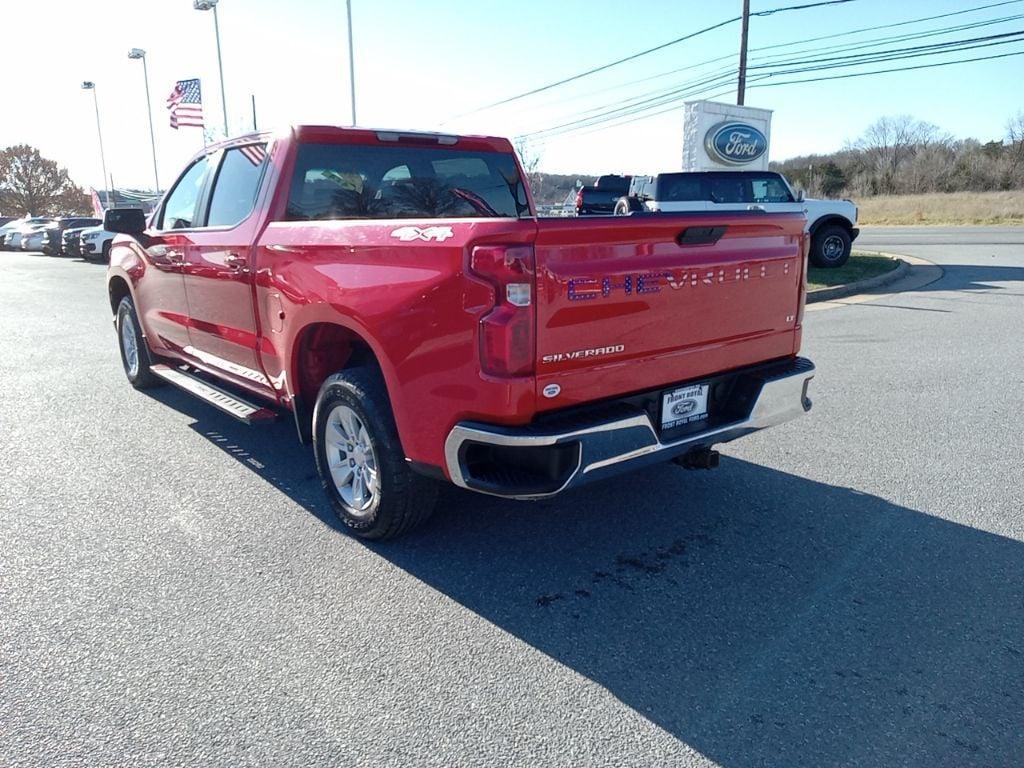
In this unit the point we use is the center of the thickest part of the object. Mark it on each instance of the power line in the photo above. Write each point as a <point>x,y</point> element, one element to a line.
<point>872,57</point>
<point>896,69</point>
<point>848,33</point>
<point>656,48</point>
<point>673,107</point>
<point>730,72</point>
<point>697,88</point>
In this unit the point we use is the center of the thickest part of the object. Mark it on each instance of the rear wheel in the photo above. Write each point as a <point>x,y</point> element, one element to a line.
<point>830,246</point>
<point>627,205</point>
<point>360,459</point>
<point>134,356</point>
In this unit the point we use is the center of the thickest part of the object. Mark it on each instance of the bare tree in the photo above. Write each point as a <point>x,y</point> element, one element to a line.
<point>890,142</point>
<point>31,184</point>
<point>530,161</point>
<point>1015,138</point>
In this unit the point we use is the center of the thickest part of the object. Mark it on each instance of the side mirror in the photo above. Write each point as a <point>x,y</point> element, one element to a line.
<point>126,221</point>
<point>800,196</point>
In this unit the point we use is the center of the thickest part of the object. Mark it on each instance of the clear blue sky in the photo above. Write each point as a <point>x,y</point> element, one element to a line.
<point>418,64</point>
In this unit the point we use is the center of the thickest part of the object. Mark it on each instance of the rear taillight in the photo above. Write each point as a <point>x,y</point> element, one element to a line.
<point>507,340</point>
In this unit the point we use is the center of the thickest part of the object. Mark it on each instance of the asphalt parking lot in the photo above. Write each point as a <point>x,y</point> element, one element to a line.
<point>845,590</point>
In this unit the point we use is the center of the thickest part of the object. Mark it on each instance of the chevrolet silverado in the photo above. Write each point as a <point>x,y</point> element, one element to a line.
<point>395,294</point>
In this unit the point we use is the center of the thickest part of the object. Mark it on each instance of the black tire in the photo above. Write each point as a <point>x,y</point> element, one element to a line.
<point>830,246</point>
<point>403,499</point>
<point>139,375</point>
<point>105,252</point>
<point>627,205</point>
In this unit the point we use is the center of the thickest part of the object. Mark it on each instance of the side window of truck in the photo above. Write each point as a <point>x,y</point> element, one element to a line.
<point>236,185</point>
<point>679,189</point>
<point>770,190</point>
<point>180,207</point>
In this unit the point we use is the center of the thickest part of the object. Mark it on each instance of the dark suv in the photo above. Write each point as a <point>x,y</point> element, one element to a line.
<point>53,235</point>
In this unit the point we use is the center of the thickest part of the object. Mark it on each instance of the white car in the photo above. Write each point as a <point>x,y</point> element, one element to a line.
<point>15,230</point>
<point>95,243</point>
<point>832,224</point>
<point>33,241</point>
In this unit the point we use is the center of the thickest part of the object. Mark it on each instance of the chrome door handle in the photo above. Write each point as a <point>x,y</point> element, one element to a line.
<point>235,261</point>
<point>755,207</point>
<point>163,252</point>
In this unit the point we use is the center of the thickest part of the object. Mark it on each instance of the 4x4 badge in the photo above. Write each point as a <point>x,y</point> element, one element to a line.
<point>408,234</point>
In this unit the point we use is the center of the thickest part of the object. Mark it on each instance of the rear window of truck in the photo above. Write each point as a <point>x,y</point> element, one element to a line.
<point>349,181</point>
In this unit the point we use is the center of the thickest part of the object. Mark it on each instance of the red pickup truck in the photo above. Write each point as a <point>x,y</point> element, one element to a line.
<point>397,295</point>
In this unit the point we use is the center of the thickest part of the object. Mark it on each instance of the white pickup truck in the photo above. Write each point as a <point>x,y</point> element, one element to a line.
<point>832,224</point>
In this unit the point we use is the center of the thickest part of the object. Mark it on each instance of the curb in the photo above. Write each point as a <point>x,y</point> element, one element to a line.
<point>859,286</point>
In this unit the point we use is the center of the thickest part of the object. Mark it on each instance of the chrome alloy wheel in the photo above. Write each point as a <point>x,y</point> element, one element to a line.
<point>128,345</point>
<point>351,460</point>
<point>833,247</point>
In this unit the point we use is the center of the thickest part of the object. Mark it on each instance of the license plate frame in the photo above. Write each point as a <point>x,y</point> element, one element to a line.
<point>684,405</point>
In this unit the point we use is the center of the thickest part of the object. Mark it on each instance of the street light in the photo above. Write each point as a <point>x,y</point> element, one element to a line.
<point>208,5</point>
<point>138,53</point>
<point>89,85</point>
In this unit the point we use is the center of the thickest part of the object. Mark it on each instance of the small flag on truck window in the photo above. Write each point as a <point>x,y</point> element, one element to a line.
<point>254,153</point>
<point>186,104</point>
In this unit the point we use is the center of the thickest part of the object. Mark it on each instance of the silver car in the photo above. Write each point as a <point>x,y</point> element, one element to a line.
<point>33,241</point>
<point>12,241</point>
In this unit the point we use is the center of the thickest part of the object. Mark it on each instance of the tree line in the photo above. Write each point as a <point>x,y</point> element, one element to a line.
<point>896,155</point>
<point>32,185</point>
<point>899,155</point>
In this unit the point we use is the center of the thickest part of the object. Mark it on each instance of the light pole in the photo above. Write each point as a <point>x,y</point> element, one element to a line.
<point>138,53</point>
<point>211,5</point>
<point>351,62</point>
<point>89,85</point>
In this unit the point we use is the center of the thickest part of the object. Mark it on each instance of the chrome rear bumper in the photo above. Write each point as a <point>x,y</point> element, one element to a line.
<point>544,459</point>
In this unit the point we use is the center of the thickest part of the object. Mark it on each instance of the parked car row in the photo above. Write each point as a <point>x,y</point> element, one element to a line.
<point>56,236</point>
<point>832,224</point>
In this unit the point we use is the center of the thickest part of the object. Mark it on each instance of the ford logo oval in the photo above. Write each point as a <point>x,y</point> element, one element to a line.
<point>734,143</point>
<point>684,407</point>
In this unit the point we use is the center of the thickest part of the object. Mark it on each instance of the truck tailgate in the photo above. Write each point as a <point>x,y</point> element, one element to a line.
<point>632,303</point>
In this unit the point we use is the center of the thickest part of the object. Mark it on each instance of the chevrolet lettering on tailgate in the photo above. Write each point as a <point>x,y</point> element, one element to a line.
<point>586,288</point>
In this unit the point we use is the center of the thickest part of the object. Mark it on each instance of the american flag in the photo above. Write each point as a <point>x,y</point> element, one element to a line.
<point>186,104</point>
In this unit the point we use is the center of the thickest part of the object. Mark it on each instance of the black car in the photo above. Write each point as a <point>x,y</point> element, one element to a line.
<point>71,243</point>
<point>54,241</point>
<point>600,198</point>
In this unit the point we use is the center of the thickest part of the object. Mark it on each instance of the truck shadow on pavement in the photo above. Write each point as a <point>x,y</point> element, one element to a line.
<point>758,616</point>
<point>975,278</point>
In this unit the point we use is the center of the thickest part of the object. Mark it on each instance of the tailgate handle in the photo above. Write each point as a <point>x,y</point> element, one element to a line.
<point>700,235</point>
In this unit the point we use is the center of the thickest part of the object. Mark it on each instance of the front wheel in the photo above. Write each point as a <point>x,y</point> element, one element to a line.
<point>133,347</point>
<point>360,459</point>
<point>831,246</point>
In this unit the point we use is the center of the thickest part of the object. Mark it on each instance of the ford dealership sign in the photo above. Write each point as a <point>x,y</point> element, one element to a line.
<point>733,143</point>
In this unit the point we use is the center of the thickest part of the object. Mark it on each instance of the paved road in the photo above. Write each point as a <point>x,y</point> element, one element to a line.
<point>845,590</point>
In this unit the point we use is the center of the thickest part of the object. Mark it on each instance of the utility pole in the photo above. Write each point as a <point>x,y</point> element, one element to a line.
<point>351,62</point>
<point>742,86</point>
